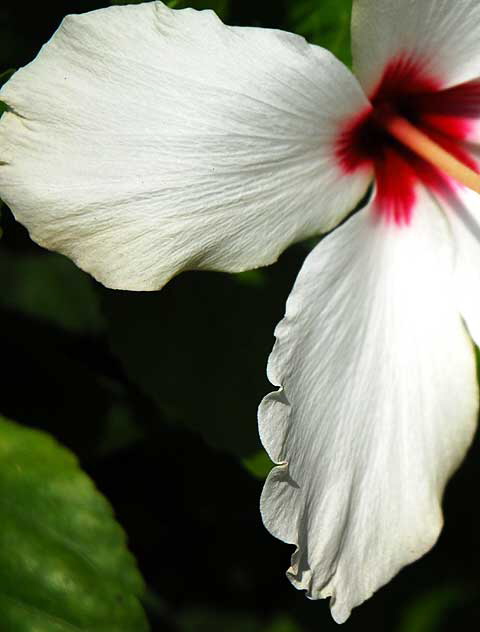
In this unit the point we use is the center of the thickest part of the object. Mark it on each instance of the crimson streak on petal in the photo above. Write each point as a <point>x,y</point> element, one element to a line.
<point>446,116</point>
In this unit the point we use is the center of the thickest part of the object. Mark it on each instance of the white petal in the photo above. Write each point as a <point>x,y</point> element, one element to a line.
<point>377,407</point>
<point>143,141</point>
<point>463,212</point>
<point>443,36</point>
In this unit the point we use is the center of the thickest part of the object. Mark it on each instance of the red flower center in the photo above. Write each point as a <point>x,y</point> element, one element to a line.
<point>446,116</point>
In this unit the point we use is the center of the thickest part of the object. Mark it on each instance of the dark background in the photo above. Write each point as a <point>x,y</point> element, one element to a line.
<point>157,395</point>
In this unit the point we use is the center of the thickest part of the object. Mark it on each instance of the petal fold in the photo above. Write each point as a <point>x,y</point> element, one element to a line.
<point>143,141</point>
<point>377,405</point>
<point>440,37</point>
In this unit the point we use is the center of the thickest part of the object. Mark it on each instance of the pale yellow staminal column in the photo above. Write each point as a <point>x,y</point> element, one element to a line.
<point>428,149</point>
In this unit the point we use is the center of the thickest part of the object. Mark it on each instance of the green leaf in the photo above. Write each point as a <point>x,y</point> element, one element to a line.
<point>254,278</point>
<point>64,565</point>
<point>323,22</point>
<point>258,464</point>
<point>49,287</point>
<point>427,613</point>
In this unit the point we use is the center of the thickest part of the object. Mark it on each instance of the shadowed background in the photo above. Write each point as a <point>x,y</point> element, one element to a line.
<point>157,395</point>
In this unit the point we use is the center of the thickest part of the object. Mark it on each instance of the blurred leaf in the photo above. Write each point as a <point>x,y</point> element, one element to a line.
<point>219,6</point>
<point>5,76</point>
<point>120,430</point>
<point>201,620</point>
<point>282,624</point>
<point>207,621</point>
<point>64,564</point>
<point>49,287</point>
<point>198,348</point>
<point>323,22</point>
<point>258,464</point>
<point>254,278</point>
<point>428,611</point>
<point>51,378</point>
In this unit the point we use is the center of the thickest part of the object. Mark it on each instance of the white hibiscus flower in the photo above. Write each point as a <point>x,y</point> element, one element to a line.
<point>144,141</point>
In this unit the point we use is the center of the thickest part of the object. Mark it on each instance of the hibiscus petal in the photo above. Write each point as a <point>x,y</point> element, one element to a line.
<point>377,404</point>
<point>463,212</point>
<point>143,141</point>
<point>440,37</point>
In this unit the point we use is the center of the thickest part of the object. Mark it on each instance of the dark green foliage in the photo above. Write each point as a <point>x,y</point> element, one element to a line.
<point>219,6</point>
<point>323,22</point>
<point>166,344</point>
<point>63,560</point>
<point>51,288</point>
